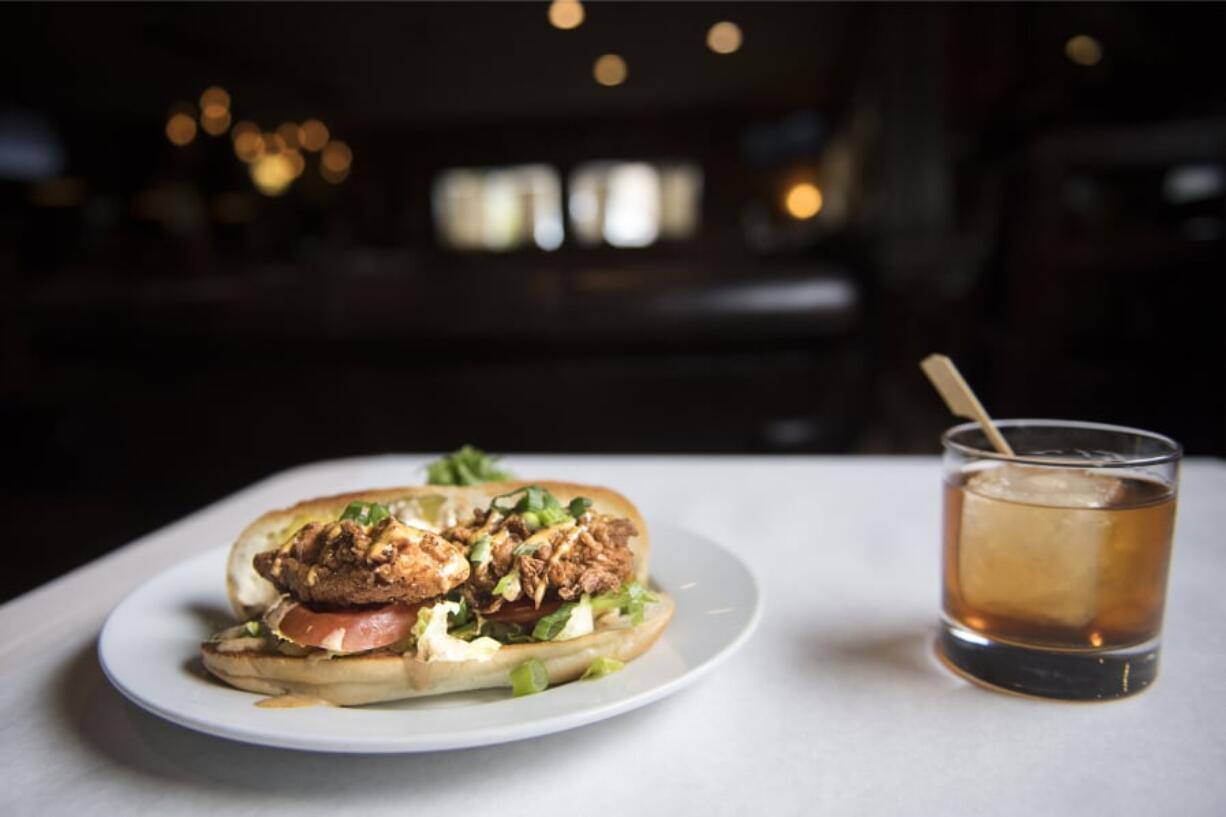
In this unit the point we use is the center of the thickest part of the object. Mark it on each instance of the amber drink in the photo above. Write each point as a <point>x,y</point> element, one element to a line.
<point>1055,561</point>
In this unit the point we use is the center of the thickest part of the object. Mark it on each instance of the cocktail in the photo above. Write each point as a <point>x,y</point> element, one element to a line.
<point>1055,558</point>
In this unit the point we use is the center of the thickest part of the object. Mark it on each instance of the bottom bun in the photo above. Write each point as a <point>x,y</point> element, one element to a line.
<point>366,679</point>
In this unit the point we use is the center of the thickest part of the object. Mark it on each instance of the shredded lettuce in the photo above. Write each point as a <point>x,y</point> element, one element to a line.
<point>467,631</point>
<point>467,466</point>
<point>629,600</point>
<point>506,632</point>
<point>548,627</point>
<point>529,678</point>
<point>571,620</point>
<point>366,513</point>
<point>434,643</point>
<point>601,667</point>
<point>462,616</point>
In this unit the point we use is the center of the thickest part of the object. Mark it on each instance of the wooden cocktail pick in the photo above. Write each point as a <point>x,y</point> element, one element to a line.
<point>960,399</point>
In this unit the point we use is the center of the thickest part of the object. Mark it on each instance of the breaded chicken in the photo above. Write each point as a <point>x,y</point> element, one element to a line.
<point>346,563</point>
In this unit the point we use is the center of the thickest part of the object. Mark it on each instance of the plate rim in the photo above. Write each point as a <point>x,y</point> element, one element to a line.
<point>468,738</point>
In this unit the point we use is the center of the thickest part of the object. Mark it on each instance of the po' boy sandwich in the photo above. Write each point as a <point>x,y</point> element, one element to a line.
<point>405,592</point>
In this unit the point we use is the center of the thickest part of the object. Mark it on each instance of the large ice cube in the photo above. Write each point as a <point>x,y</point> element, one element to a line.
<point>1031,540</point>
<point>1064,488</point>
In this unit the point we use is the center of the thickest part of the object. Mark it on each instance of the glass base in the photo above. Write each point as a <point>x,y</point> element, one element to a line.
<point>1092,675</point>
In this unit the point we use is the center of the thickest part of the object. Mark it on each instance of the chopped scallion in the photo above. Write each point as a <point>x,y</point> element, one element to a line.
<point>529,678</point>
<point>601,667</point>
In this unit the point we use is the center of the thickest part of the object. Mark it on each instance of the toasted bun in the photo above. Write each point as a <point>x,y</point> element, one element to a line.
<point>250,593</point>
<point>364,679</point>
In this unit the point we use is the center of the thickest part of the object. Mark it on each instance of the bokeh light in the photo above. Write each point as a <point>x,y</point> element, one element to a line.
<point>313,135</point>
<point>724,37</point>
<point>566,14</point>
<point>181,129</point>
<point>333,176</point>
<point>273,144</point>
<point>803,200</point>
<point>1084,50</point>
<point>336,157</point>
<point>248,141</point>
<point>215,120</point>
<point>296,162</point>
<point>610,70</point>
<point>290,135</point>
<point>214,96</point>
<point>272,175</point>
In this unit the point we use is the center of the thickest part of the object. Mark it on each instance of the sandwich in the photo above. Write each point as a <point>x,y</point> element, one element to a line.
<point>407,592</point>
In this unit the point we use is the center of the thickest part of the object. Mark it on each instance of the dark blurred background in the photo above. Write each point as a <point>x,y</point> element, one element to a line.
<point>240,238</point>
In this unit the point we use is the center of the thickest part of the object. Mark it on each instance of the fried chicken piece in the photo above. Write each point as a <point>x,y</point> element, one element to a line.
<point>591,556</point>
<point>346,563</point>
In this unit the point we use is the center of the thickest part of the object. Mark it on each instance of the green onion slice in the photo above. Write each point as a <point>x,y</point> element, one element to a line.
<point>529,678</point>
<point>480,553</point>
<point>601,667</point>
<point>507,584</point>
<point>366,513</point>
<point>629,600</point>
<point>466,466</point>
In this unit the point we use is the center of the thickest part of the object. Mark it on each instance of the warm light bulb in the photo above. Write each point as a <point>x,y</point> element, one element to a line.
<point>803,201</point>
<point>273,144</point>
<point>610,70</point>
<point>565,14</point>
<point>248,141</point>
<point>296,163</point>
<point>313,135</point>
<point>336,156</point>
<point>180,129</point>
<point>215,120</point>
<point>333,176</point>
<point>272,175</point>
<point>215,96</point>
<point>290,134</point>
<point>724,37</point>
<point>1083,50</point>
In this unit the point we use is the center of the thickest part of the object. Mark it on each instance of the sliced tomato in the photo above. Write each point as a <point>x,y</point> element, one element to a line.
<point>344,630</point>
<point>523,611</point>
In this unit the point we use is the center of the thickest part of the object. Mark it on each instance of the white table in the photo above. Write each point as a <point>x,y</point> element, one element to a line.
<point>836,706</point>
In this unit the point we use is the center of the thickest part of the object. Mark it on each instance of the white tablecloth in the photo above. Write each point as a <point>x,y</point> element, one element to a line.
<point>835,706</point>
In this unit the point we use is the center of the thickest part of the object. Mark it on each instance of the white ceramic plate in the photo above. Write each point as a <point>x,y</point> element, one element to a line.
<point>149,650</point>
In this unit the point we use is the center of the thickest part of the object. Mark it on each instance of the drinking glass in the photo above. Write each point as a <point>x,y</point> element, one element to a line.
<point>1055,560</point>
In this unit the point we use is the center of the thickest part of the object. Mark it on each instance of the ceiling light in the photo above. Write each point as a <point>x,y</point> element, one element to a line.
<point>313,135</point>
<point>215,96</point>
<point>180,129</point>
<point>803,201</point>
<point>272,175</point>
<point>565,14</point>
<point>1084,50</point>
<point>724,37</point>
<point>336,156</point>
<point>610,70</point>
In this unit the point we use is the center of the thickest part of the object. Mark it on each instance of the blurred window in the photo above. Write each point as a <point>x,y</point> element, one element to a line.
<point>499,209</point>
<point>634,204</point>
